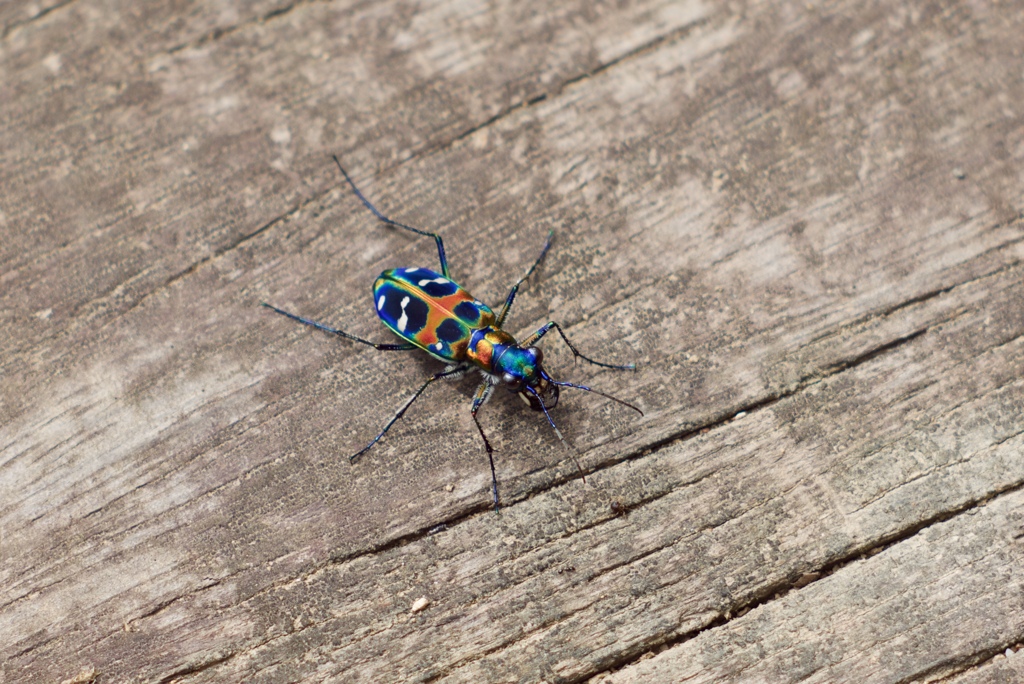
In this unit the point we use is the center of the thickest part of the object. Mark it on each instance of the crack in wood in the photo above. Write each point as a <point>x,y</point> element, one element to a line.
<point>34,18</point>
<point>649,46</point>
<point>931,471</point>
<point>28,649</point>
<point>953,667</point>
<point>926,296</point>
<point>221,31</point>
<point>778,590</point>
<point>159,607</point>
<point>771,399</point>
<point>845,364</point>
<point>197,668</point>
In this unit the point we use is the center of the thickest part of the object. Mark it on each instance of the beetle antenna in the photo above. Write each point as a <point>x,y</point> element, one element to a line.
<point>557,431</point>
<point>588,389</point>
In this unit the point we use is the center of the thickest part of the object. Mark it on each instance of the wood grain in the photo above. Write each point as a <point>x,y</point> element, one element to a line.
<point>876,619</point>
<point>805,224</point>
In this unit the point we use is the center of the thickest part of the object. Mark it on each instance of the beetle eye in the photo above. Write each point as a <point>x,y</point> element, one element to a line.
<point>511,381</point>
<point>537,355</point>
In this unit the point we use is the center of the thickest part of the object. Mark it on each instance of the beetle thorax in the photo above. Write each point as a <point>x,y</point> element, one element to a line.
<point>487,345</point>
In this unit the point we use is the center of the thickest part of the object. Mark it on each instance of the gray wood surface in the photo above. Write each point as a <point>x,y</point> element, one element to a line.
<point>804,222</point>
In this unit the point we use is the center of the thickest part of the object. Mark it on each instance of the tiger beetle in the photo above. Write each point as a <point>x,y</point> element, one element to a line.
<point>429,311</point>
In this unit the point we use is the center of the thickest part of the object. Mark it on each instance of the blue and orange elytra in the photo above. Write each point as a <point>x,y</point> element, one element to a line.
<point>430,311</point>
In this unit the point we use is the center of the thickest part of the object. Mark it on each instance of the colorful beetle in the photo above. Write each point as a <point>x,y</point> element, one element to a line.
<point>429,311</point>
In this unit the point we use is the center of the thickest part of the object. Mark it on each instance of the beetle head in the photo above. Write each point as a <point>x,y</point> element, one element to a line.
<point>521,370</point>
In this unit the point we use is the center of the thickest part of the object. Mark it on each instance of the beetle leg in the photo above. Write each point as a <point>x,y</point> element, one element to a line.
<point>401,411</point>
<point>532,339</point>
<point>396,224</point>
<point>405,346</point>
<point>515,288</point>
<point>456,371</point>
<point>483,393</point>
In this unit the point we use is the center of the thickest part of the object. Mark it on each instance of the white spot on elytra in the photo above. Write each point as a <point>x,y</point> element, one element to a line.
<point>380,303</point>
<point>403,320</point>
<point>439,346</point>
<point>440,281</point>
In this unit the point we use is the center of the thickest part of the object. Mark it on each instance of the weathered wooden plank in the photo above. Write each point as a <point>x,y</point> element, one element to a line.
<point>915,611</point>
<point>559,587</point>
<point>171,466</point>
<point>150,158</point>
